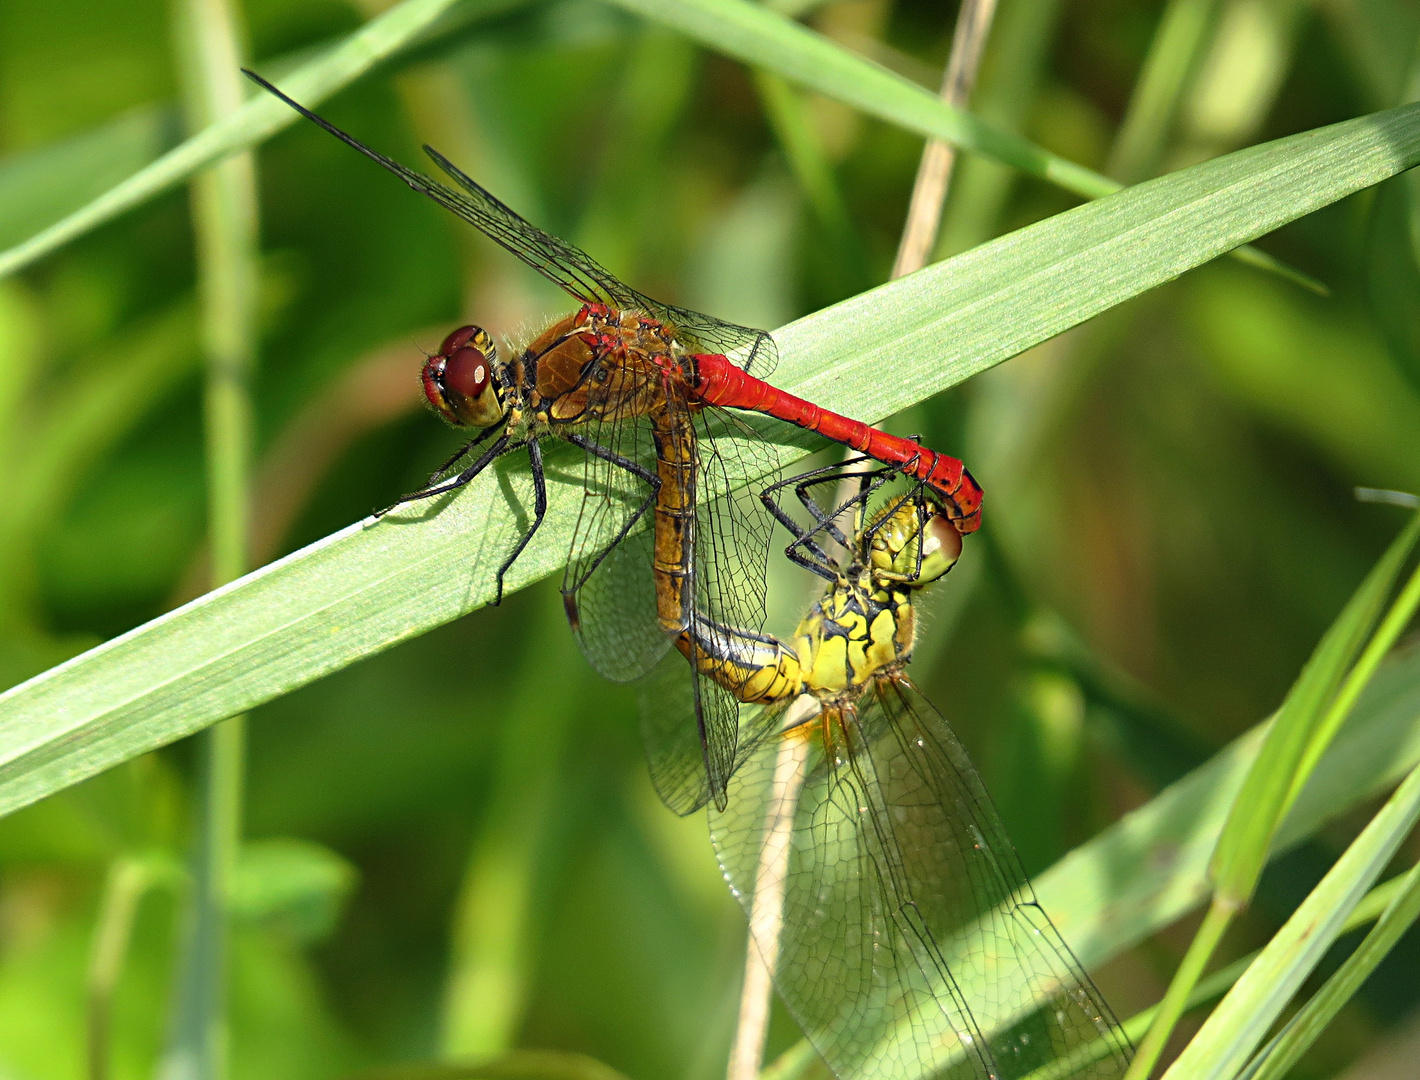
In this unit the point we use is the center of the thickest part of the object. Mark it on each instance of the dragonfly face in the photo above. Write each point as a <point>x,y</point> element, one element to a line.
<point>893,552</point>
<point>463,381</point>
<point>865,622</point>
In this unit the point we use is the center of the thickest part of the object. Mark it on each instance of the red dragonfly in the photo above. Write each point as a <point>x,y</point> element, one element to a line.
<point>639,386</point>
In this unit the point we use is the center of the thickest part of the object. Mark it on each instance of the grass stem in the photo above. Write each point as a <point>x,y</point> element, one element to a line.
<point>1200,951</point>
<point>767,912</point>
<point>128,879</point>
<point>934,171</point>
<point>224,212</point>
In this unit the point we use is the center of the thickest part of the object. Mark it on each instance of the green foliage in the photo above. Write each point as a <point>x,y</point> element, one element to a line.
<point>454,865</point>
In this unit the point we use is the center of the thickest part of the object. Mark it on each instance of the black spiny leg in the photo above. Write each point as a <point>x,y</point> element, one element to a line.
<point>636,469</point>
<point>439,474</point>
<point>817,561</point>
<point>499,446</point>
<point>539,479</point>
<point>805,551</point>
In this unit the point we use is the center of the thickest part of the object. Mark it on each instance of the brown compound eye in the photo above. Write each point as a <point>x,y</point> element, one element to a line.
<point>466,372</point>
<point>457,340</point>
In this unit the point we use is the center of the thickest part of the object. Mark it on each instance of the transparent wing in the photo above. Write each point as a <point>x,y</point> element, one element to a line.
<point>732,533</point>
<point>733,528</point>
<point>577,272</point>
<point>690,731</point>
<point>690,724</point>
<point>558,261</point>
<point>671,734</point>
<point>911,945</point>
<point>608,584</point>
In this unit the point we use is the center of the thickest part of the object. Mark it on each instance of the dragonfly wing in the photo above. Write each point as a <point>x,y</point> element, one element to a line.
<point>558,261</point>
<point>728,582</point>
<point>732,529</point>
<point>564,265</point>
<point>673,711</point>
<point>608,586</point>
<point>586,279</point>
<point>912,945</point>
<point>689,731</point>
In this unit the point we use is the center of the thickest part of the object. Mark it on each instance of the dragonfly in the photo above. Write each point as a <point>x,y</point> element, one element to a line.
<point>643,389</point>
<point>882,889</point>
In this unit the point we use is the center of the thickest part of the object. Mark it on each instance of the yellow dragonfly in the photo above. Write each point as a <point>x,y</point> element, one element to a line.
<point>882,889</point>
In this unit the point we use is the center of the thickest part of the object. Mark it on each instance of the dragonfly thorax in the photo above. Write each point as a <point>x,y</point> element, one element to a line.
<point>600,364</point>
<point>853,633</point>
<point>462,380</point>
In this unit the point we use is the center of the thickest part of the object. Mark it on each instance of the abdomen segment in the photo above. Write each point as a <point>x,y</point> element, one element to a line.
<point>722,383</point>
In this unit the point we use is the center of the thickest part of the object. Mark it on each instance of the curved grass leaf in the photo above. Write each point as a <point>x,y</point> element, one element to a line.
<point>1287,1047</point>
<point>764,38</point>
<point>256,121</point>
<point>1151,867</point>
<point>1238,1025</point>
<point>760,36</point>
<point>1264,798</point>
<point>753,33</point>
<point>42,185</point>
<point>374,584</point>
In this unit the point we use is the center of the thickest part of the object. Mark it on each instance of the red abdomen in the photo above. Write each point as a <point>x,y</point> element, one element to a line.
<point>722,383</point>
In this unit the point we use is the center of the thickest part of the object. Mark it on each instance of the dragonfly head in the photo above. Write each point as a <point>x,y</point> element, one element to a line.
<point>941,547</point>
<point>461,380</point>
<point>894,548</point>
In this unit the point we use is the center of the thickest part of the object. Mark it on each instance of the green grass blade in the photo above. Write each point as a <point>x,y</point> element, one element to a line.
<point>42,185</point>
<point>374,584</point>
<point>1151,868</point>
<point>1302,1030</point>
<point>1375,904</point>
<point>766,39</point>
<point>1265,796</point>
<point>224,218</point>
<point>257,120</point>
<point>1234,1029</point>
<point>1178,45</point>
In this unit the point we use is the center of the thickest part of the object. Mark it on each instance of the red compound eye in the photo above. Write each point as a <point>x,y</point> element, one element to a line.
<point>465,371</point>
<point>457,340</point>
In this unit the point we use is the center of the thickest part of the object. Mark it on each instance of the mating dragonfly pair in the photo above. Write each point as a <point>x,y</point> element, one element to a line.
<point>909,943</point>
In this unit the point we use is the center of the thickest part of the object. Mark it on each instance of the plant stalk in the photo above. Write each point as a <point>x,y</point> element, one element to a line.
<point>766,918</point>
<point>128,879</point>
<point>1200,951</point>
<point>934,171</point>
<point>224,213</point>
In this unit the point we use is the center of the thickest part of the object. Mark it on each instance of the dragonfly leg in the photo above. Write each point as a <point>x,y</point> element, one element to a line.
<point>636,469</point>
<point>817,560</point>
<point>805,550</point>
<point>463,478</point>
<point>441,472</point>
<point>539,479</point>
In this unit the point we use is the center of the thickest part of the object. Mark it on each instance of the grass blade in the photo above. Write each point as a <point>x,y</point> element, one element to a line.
<point>763,38</point>
<point>224,213</point>
<point>1302,1030</point>
<point>1278,773</point>
<point>257,120</point>
<point>1235,1028</point>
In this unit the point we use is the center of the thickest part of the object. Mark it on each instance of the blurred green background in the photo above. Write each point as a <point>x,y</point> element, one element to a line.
<point>454,846</point>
